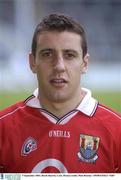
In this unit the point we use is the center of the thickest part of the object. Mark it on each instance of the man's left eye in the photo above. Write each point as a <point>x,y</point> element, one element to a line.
<point>69,55</point>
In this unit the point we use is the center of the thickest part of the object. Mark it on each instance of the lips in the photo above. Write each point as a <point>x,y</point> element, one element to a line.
<point>58,82</point>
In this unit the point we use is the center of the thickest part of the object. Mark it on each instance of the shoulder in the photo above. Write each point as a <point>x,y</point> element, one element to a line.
<point>108,122</point>
<point>107,112</point>
<point>107,117</point>
<point>12,110</point>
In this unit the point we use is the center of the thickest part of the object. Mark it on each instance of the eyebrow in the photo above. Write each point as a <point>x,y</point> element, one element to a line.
<point>46,49</point>
<point>51,49</point>
<point>71,50</point>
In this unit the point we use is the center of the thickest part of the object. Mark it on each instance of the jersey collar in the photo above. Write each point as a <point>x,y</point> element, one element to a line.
<point>87,106</point>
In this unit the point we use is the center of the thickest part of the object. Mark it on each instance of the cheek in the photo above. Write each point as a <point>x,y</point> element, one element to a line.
<point>75,72</point>
<point>42,74</point>
<point>75,79</point>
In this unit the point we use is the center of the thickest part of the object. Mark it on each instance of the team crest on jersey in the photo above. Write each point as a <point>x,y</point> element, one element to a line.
<point>88,148</point>
<point>29,145</point>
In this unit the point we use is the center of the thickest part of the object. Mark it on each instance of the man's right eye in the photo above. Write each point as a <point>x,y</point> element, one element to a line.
<point>46,54</point>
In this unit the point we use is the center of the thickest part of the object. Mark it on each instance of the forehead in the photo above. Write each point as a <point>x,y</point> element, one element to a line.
<point>59,40</point>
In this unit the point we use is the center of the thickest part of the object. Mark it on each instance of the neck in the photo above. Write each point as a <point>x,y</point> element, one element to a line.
<point>59,109</point>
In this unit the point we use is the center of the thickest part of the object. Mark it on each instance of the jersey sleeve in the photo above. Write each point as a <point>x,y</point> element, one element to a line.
<point>1,166</point>
<point>119,153</point>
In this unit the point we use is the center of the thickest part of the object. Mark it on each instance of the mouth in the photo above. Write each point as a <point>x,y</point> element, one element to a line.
<point>58,82</point>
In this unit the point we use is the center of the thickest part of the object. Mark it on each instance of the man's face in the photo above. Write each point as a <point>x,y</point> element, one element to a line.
<point>58,64</point>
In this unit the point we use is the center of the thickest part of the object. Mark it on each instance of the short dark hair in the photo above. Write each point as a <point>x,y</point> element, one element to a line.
<point>59,23</point>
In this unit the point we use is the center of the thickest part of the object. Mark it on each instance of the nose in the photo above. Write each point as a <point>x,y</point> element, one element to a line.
<point>59,64</point>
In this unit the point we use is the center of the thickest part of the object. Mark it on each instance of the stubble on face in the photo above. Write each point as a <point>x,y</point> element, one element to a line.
<point>50,78</point>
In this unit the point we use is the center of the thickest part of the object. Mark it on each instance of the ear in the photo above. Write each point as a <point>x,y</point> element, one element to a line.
<point>84,65</point>
<point>32,62</point>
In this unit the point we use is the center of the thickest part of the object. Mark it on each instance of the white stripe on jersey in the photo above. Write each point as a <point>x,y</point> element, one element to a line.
<point>12,112</point>
<point>110,111</point>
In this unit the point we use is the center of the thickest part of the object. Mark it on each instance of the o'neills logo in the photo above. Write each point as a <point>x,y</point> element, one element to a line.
<point>29,145</point>
<point>59,133</point>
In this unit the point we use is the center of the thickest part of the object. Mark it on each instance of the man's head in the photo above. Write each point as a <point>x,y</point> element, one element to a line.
<point>59,58</point>
<point>59,23</point>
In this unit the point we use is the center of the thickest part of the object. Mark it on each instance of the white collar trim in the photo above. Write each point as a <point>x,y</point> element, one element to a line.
<point>87,106</point>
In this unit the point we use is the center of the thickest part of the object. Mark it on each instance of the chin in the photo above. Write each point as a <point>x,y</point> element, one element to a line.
<point>59,98</point>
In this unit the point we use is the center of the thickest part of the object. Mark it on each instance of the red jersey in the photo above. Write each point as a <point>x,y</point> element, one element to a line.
<point>85,140</point>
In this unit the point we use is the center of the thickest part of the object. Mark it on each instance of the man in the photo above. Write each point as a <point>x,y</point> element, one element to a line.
<point>60,128</point>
